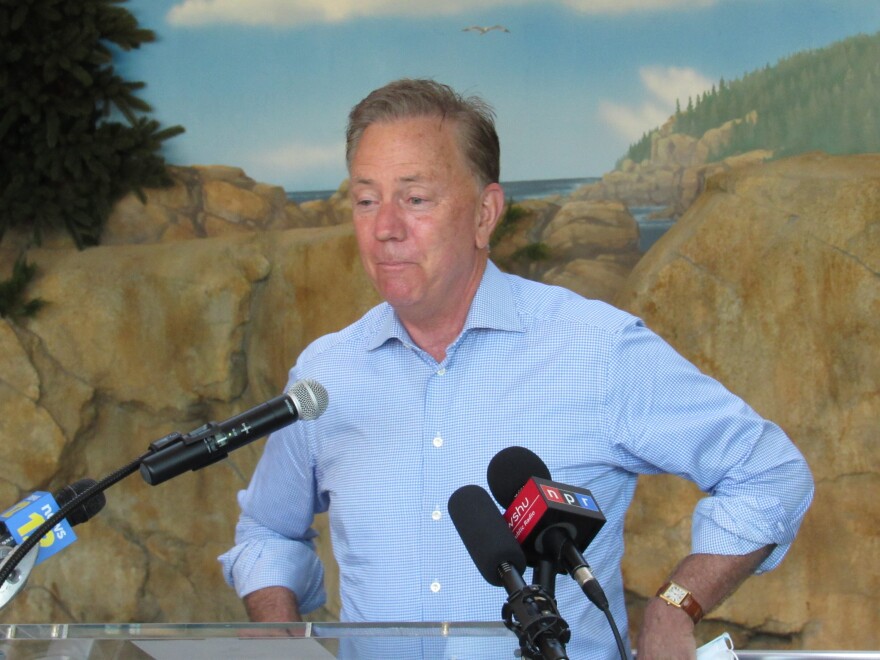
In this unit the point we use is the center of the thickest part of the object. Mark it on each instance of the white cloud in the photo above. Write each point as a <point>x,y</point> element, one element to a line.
<point>664,85</point>
<point>634,6</point>
<point>670,83</point>
<point>293,13</point>
<point>298,156</point>
<point>298,161</point>
<point>629,122</point>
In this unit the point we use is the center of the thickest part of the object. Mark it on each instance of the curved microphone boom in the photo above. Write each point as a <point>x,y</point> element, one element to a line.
<point>175,453</point>
<point>529,611</point>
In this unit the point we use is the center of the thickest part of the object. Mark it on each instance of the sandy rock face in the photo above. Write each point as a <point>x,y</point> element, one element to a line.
<point>137,341</point>
<point>202,298</point>
<point>770,283</point>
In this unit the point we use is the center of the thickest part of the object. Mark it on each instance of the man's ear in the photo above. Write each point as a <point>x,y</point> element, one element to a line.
<point>491,208</point>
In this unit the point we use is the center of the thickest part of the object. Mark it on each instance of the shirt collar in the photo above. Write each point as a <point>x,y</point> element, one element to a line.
<point>493,308</point>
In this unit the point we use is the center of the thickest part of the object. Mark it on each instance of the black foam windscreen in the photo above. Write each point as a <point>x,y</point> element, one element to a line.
<point>510,469</point>
<point>85,510</point>
<point>484,533</point>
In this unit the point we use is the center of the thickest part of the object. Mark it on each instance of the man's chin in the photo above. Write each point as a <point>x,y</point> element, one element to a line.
<point>397,295</point>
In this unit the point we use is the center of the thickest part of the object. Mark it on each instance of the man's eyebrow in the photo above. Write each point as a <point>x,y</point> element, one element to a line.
<point>409,178</point>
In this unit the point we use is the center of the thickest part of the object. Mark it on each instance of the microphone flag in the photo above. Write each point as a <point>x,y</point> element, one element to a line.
<point>23,518</point>
<point>542,503</point>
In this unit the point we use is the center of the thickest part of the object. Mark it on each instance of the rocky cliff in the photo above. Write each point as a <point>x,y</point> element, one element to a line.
<point>202,298</point>
<point>676,171</point>
<point>151,334</point>
<point>589,247</point>
<point>771,283</point>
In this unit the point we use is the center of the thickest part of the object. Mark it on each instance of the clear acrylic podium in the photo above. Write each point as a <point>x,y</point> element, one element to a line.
<point>300,641</point>
<point>296,641</point>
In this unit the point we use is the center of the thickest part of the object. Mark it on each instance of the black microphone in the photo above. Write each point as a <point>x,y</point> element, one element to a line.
<point>529,611</point>
<point>553,522</point>
<point>506,486</point>
<point>84,510</point>
<point>79,514</point>
<point>175,453</point>
<point>34,510</point>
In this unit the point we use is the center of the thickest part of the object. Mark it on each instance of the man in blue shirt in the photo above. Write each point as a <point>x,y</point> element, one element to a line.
<point>458,363</point>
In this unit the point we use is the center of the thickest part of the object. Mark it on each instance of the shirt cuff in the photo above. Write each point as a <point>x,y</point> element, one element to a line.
<point>257,564</point>
<point>716,530</point>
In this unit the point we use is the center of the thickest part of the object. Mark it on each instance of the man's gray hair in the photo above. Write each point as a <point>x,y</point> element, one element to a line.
<point>409,98</point>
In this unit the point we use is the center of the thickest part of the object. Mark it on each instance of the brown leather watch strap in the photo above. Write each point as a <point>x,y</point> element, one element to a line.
<point>689,604</point>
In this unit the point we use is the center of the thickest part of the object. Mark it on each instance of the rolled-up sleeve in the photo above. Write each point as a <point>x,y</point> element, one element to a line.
<point>274,537</point>
<point>761,501</point>
<point>667,416</point>
<point>262,558</point>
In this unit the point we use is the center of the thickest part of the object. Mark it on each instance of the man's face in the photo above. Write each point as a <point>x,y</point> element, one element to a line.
<point>420,217</point>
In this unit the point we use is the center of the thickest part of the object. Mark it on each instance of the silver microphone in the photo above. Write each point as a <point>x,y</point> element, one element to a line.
<point>175,453</point>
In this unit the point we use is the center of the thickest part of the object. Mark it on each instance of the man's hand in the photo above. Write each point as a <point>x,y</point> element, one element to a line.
<point>272,605</point>
<point>667,633</point>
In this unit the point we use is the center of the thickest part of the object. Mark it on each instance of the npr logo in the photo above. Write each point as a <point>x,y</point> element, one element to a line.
<point>559,496</point>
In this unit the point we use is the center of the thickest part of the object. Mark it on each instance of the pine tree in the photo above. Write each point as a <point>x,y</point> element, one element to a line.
<point>74,137</point>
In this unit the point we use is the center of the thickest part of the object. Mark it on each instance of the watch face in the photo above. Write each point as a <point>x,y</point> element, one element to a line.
<point>675,594</point>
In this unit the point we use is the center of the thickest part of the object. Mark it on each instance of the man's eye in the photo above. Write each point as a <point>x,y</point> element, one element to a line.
<point>415,201</point>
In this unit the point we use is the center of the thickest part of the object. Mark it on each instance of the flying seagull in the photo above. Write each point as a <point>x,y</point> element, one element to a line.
<point>483,30</point>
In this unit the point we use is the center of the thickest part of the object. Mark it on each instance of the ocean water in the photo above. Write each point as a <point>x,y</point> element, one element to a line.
<point>649,230</point>
<point>519,190</point>
<point>516,190</point>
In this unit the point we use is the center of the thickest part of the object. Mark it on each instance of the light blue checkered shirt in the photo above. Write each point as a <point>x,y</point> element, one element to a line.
<point>585,386</point>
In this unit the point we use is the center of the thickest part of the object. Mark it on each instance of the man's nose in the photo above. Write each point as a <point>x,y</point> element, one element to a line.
<point>390,222</point>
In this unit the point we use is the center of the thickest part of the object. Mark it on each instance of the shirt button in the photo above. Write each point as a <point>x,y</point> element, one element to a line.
<point>441,371</point>
<point>436,515</point>
<point>435,587</point>
<point>438,441</point>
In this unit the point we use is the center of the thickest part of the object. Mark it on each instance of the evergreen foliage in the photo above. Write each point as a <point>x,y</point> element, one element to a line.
<point>533,252</point>
<point>826,99</point>
<point>12,291</point>
<point>640,150</point>
<point>513,213</point>
<point>73,135</point>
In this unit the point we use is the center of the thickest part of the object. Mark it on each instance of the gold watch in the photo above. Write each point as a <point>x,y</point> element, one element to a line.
<point>676,595</point>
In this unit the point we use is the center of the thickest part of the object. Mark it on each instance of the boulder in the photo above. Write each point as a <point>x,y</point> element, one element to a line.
<point>600,278</point>
<point>137,341</point>
<point>770,283</point>
<point>585,229</point>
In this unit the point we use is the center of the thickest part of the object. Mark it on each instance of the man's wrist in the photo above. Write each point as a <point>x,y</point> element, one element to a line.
<point>675,595</point>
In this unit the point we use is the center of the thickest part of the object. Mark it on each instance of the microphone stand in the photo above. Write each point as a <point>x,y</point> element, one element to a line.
<point>19,572</point>
<point>544,575</point>
<point>532,615</point>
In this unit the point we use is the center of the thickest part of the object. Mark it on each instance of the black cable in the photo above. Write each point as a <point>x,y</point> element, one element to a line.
<point>621,649</point>
<point>27,545</point>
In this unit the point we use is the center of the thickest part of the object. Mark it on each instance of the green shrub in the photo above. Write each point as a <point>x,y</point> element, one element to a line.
<point>73,135</point>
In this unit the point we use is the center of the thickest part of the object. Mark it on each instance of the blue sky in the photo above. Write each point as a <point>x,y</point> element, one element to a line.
<point>266,85</point>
